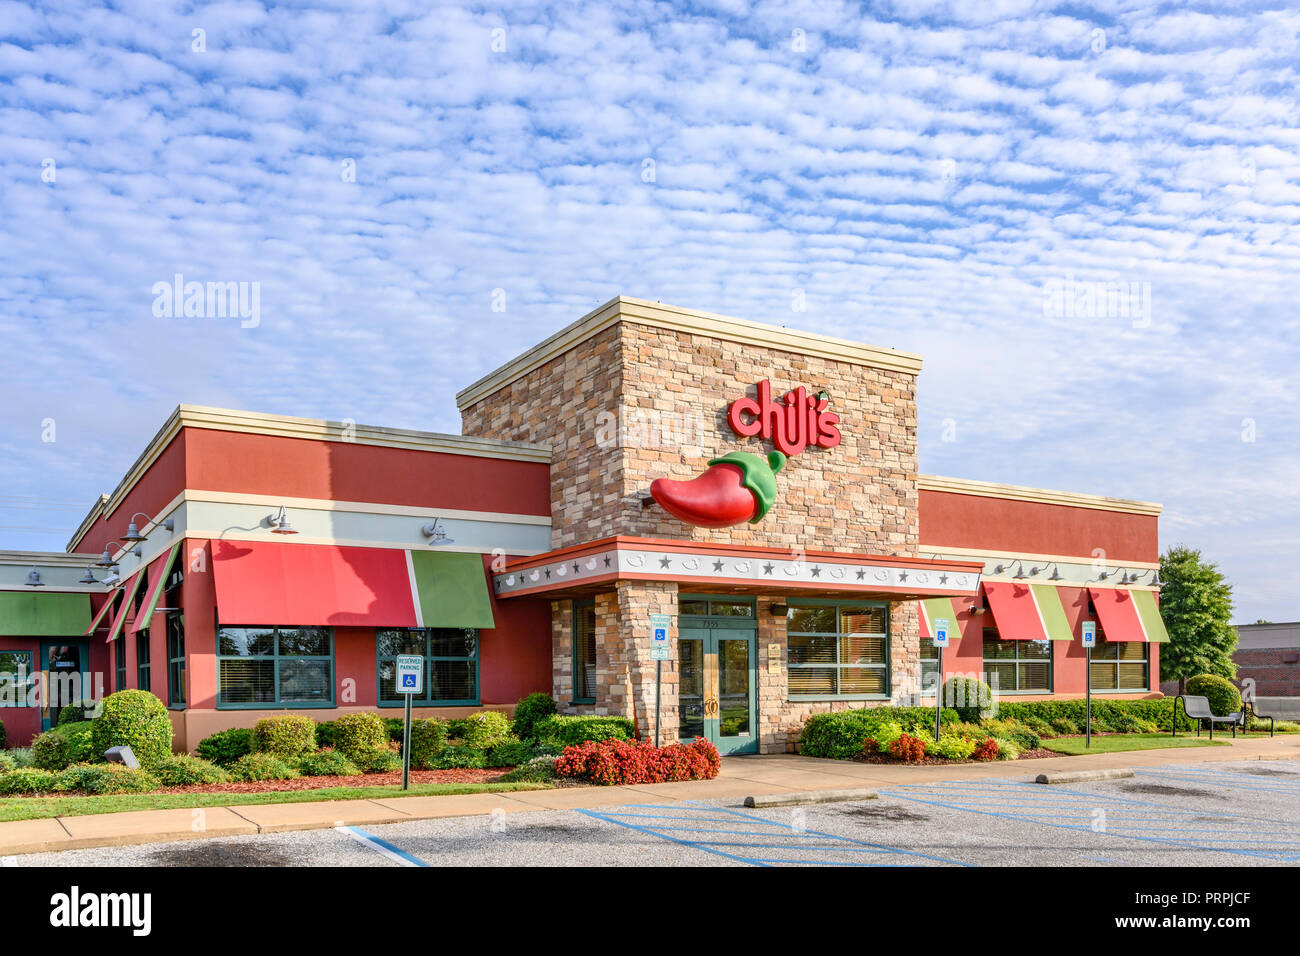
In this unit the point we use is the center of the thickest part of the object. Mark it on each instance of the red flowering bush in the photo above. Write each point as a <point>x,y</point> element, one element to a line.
<point>908,749</point>
<point>988,750</point>
<point>614,762</point>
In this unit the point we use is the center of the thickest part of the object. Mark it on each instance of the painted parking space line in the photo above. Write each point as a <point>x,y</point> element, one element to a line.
<point>712,829</point>
<point>1141,820</point>
<point>382,847</point>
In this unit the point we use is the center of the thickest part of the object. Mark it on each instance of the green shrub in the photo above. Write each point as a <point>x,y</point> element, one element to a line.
<point>952,747</point>
<point>325,733</point>
<point>1222,694</point>
<point>379,760</point>
<point>528,712</point>
<point>1008,749</point>
<point>226,746</point>
<point>969,696</point>
<point>327,763</point>
<point>842,735</point>
<point>260,765</point>
<point>21,756</point>
<point>103,778</point>
<point>182,770</point>
<point>538,770</point>
<point>509,753</point>
<point>1065,726</point>
<point>484,730</point>
<point>77,711</point>
<point>428,738</point>
<point>394,727</point>
<point>570,730</point>
<point>7,762</point>
<point>51,751</point>
<point>287,736</point>
<point>459,756</point>
<point>4,735</point>
<point>27,780</point>
<point>360,733</point>
<point>1152,714</point>
<point>135,719</point>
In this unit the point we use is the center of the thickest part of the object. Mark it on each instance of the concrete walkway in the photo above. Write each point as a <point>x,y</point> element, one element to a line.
<point>740,777</point>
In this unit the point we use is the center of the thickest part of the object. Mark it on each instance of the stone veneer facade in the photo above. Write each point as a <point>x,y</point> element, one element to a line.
<point>634,402</point>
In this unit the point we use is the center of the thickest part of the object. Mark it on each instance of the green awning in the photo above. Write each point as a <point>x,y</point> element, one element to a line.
<point>128,597</point>
<point>450,589</point>
<point>157,584</point>
<point>44,614</point>
<point>1052,612</point>
<point>1149,612</point>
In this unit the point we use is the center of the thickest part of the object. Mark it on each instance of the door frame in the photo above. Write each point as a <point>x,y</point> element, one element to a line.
<point>706,628</point>
<point>46,644</point>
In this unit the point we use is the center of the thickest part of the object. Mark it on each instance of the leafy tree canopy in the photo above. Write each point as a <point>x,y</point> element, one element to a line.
<point>1196,604</point>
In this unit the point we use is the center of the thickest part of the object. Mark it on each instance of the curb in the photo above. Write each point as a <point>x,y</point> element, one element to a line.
<point>809,797</point>
<point>1081,776</point>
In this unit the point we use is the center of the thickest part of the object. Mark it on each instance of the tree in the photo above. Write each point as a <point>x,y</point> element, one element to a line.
<point>1196,605</point>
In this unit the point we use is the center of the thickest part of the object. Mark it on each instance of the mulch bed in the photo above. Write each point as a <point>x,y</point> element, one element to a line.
<point>491,775</point>
<point>1036,754</point>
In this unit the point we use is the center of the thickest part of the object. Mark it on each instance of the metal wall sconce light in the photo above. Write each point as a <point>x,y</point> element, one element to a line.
<point>437,534</point>
<point>34,579</point>
<point>133,531</point>
<point>279,523</point>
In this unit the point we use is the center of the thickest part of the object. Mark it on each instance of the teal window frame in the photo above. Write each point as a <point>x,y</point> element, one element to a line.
<point>143,676</point>
<point>839,605</point>
<point>277,658</point>
<point>581,606</point>
<point>19,693</point>
<point>175,660</point>
<point>992,634</point>
<point>429,660</point>
<point>929,663</point>
<point>119,663</point>
<point>713,599</point>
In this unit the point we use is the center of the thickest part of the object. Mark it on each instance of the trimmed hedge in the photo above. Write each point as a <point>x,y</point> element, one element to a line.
<point>428,739</point>
<point>64,745</point>
<point>483,730</point>
<point>76,712</point>
<point>327,763</point>
<point>226,746</point>
<point>182,770</point>
<point>459,756</point>
<point>261,766</point>
<point>842,734</point>
<point>27,780</point>
<point>100,778</point>
<point>570,730</point>
<point>510,753</point>
<point>287,736</point>
<point>360,733</point>
<point>381,760</point>
<point>135,719</point>
<point>1222,694</point>
<point>1157,714</point>
<point>530,710</point>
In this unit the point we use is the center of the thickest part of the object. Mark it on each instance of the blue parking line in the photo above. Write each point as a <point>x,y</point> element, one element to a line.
<point>670,839</point>
<point>381,846</point>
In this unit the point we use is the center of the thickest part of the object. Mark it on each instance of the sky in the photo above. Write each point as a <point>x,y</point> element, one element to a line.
<point>419,191</point>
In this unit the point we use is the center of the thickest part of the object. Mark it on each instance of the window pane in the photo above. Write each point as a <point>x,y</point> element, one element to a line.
<point>995,649</point>
<point>388,681</point>
<point>819,620</point>
<point>584,650</point>
<point>862,620</point>
<point>304,642</point>
<point>305,682</point>
<point>390,643</point>
<point>1104,652</point>
<point>247,682</point>
<point>13,662</point>
<point>862,650</point>
<point>693,607</point>
<point>731,609</point>
<point>1132,676</point>
<point>1101,676</point>
<point>1035,650</point>
<point>862,680</point>
<point>1132,650</point>
<point>812,650</point>
<point>1035,676</point>
<point>245,641</point>
<point>453,642</point>
<point>928,651</point>
<point>1004,674</point>
<point>816,681</point>
<point>452,680</point>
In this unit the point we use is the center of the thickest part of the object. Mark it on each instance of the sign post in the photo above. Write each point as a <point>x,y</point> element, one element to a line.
<point>659,623</point>
<point>1089,642</point>
<point>940,642</point>
<point>410,681</point>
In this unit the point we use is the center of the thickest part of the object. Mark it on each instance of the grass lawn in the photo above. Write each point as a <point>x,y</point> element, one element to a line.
<point>1114,743</point>
<point>35,808</point>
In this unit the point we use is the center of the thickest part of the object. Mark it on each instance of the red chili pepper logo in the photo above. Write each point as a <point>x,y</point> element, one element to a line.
<point>737,487</point>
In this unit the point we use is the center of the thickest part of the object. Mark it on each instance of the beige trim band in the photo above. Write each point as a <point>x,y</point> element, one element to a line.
<point>359,507</point>
<point>932,550</point>
<point>1069,499</point>
<point>658,315</point>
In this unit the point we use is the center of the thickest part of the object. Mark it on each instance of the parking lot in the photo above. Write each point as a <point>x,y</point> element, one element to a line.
<point>1236,814</point>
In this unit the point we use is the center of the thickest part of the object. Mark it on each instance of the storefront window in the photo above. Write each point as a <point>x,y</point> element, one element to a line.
<point>16,678</point>
<point>119,663</point>
<point>280,666</point>
<point>584,652</point>
<point>176,659</point>
<point>450,664</point>
<point>929,665</point>
<point>1119,665</point>
<point>142,659</point>
<point>838,650</point>
<point>1011,666</point>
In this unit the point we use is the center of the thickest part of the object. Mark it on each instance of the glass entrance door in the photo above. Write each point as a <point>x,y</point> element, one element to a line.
<point>716,698</point>
<point>65,664</point>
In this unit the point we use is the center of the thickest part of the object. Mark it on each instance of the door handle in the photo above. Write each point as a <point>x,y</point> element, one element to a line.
<point>711,707</point>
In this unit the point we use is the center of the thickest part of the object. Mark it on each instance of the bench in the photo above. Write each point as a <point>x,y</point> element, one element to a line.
<point>1198,708</point>
<point>1256,714</point>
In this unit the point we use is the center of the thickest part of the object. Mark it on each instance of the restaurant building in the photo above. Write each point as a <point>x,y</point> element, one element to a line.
<point>651,497</point>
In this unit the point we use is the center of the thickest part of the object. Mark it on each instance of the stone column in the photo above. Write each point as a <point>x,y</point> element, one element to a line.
<point>626,674</point>
<point>562,655</point>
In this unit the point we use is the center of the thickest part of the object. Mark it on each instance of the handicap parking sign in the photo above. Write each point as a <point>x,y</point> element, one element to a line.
<point>661,633</point>
<point>941,632</point>
<point>410,674</point>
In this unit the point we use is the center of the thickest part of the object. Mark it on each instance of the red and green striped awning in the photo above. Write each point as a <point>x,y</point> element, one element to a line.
<point>129,587</point>
<point>939,609</point>
<point>1129,615</point>
<point>158,571</point>
<point>41,613</point>
<point>1028,612</point>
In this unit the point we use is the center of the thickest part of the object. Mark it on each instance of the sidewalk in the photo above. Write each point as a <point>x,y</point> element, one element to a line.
<point>740,777</point>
